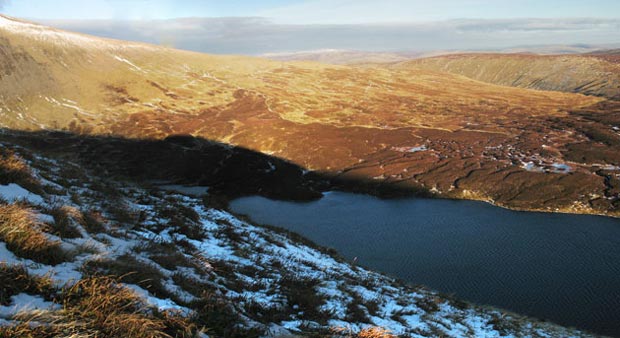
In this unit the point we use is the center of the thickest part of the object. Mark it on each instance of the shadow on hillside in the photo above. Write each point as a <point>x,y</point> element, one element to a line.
<point>229,171</point>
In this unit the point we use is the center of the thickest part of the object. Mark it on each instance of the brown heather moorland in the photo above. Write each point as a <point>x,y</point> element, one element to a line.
<point>410,126</point>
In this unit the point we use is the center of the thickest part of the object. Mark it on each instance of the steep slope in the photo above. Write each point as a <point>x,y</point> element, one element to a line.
<point>119,258</point>
<point>405,129</point>
<point>589,74</point>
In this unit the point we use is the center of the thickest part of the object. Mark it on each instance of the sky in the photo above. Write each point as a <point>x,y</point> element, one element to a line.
<point>313,11</point>
<point>255,27</point>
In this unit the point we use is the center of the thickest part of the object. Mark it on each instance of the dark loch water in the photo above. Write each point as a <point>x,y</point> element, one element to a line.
<point>563,268</point>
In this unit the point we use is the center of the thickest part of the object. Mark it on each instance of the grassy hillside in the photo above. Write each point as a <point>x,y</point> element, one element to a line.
<point>590,74</point>
<point>87,252</point>
<point>404,128</point>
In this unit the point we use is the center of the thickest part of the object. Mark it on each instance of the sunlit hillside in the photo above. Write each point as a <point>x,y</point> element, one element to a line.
<point>591,74</point>
<point>404,127</point>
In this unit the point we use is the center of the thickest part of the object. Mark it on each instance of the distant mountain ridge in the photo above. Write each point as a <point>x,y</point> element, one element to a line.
<point>595,73</point>
<point>356,57</point>
<point>338,56</point>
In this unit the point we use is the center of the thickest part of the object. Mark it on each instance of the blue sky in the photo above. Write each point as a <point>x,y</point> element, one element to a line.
<point>313,11</point>
<point>136,9</point>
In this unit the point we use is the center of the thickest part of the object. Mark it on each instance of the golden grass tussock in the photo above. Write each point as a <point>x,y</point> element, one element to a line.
<point>375,332</point>
<point>23,235</point>
<point>92,221</point>
<point>100,307</point>
<point>65,219</point>
<point>15,279</point>
<point>12,167</point>
<point>107,307</point>
<point>369,332</point>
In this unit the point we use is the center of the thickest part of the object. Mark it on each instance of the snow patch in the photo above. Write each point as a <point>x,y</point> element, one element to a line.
<point>6,256</point>
<point>414,149</point>
<point>13,192</point>
<point>160,304</point>
<point>530,166</point>
<point>561,168</point>
<point>25,303</point>
<point>131,64</point>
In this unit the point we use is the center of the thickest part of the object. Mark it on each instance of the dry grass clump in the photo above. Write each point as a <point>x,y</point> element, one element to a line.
<point>429,304</point>
<point>100,307</point>
<point>13,169</point>
<point>369,332</point>
<point>109,308</point>
<point>302,293</point>
<point>131,271</point>
<point>23,235</point>
<point>65,218</point>
<point>93,221</point>
<point>183,220</point>
<point>122,213</point>
<point>173,261</point>
<point>219,316</point>
<point>168,255</point>
<point>375,332</point>
<point>15,279</point>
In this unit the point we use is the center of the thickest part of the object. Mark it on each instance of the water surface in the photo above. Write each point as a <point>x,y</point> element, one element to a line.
<point>564,268</point>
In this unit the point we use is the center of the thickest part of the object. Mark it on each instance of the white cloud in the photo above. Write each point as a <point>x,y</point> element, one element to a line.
<point>258,35</point>
<point>373,11</point>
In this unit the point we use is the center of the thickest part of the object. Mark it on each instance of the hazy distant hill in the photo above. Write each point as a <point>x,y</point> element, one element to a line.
<point>558,49</point>
<point>338,56</point>
<point>353,57</point>
<point>610,55</point>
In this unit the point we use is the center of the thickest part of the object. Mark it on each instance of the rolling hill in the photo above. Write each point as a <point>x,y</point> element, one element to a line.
<point>596,73</point>
<point>401,127</point>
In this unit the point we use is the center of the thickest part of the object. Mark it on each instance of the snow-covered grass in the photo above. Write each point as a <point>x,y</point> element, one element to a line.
<point>98,307</point>
<point>177,264</point>
<point>60,37</point>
